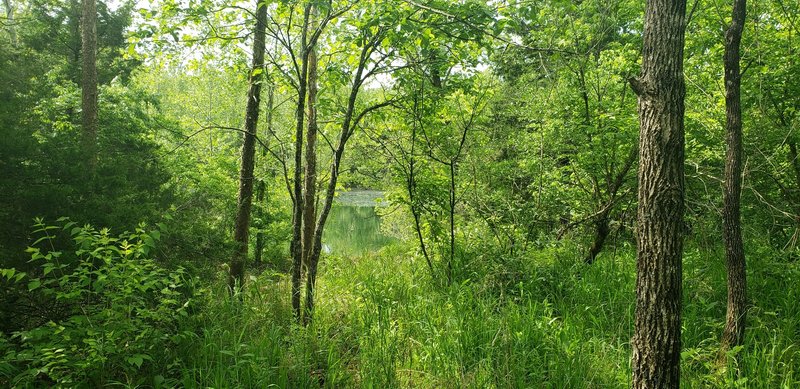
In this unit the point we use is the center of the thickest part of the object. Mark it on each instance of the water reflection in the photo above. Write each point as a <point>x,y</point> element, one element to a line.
<point>353,227</point>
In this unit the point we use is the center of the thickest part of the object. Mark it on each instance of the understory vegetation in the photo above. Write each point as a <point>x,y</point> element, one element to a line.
<point>545,319</point>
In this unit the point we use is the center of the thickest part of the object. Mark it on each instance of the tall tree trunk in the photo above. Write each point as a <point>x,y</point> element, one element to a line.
<point>656,343</point>
<point>310,195</point>
<point>89,84</point>
<point>245,200</point>
<point>296,247</point>
<point>310,185</point>
<point>262,185</point>
<point>731,215</point>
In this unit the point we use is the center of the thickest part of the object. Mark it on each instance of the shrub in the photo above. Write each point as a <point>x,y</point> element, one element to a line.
<point>110,313</point>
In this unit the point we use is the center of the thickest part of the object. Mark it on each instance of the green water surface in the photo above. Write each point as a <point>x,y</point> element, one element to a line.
<point>353,227</point>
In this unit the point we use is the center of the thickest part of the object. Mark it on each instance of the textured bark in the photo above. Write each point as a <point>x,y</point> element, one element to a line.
<point>262,185</point>
<point>310,190</point>
<point>245,200</point>
<point>310,185</point>
<point>89,83</point>
<point>656,343</point>
<point>735,320</point>
<point>296,247</point>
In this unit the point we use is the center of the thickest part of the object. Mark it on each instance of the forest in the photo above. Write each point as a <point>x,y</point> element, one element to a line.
<point>400,193</point>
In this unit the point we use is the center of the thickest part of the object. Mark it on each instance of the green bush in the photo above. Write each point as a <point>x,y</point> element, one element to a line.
<point>111,313</point>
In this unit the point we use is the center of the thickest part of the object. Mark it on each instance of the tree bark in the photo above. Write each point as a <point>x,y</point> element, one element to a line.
<point>89,83</point>
<point>296,247</point>
<point>310,194</point>
<point>310,185</point>
<point>656,343</point>
<point>245,200</point>
<point>262,185</point>
<point>735,320</point>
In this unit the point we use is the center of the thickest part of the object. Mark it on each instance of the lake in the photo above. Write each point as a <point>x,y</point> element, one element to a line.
<point>353,227</point>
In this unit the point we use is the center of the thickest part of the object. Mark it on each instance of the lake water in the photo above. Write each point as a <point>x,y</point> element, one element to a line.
<point>353,227</point>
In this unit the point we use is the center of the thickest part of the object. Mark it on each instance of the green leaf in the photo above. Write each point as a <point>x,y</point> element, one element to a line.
<point>8,273</point>
<point>34,284</point>
<point>148,240</point>
<point>135,360</point>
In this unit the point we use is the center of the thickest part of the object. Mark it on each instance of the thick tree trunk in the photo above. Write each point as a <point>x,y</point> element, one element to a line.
<point>731,214</point>
<point>656,343</point>
<point>245,200</point>
<point>262,185</point>
<point>89,83</point>
<point>296,247</point>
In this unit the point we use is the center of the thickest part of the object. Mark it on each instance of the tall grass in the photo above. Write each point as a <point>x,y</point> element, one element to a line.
<point>382,323</point>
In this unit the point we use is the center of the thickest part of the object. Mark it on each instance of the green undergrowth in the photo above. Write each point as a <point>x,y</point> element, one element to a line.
<point>543,319</point>
<point>381,322</point>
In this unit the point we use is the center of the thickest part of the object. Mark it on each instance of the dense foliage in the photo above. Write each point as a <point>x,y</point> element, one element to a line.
<point>502,140</point>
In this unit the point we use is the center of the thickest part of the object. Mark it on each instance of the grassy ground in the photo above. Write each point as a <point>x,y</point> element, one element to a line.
<point>549,321</point>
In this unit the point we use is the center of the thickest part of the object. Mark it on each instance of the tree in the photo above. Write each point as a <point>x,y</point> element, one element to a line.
<point>262,185</point>
<point>371,62</point>
<point>735,319</point>
<point>656,343</point>
<point>245,199</point>
<point>310,185</point>
<point>43,159</point>
<point>296,245</point>
<point>89,83</point>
